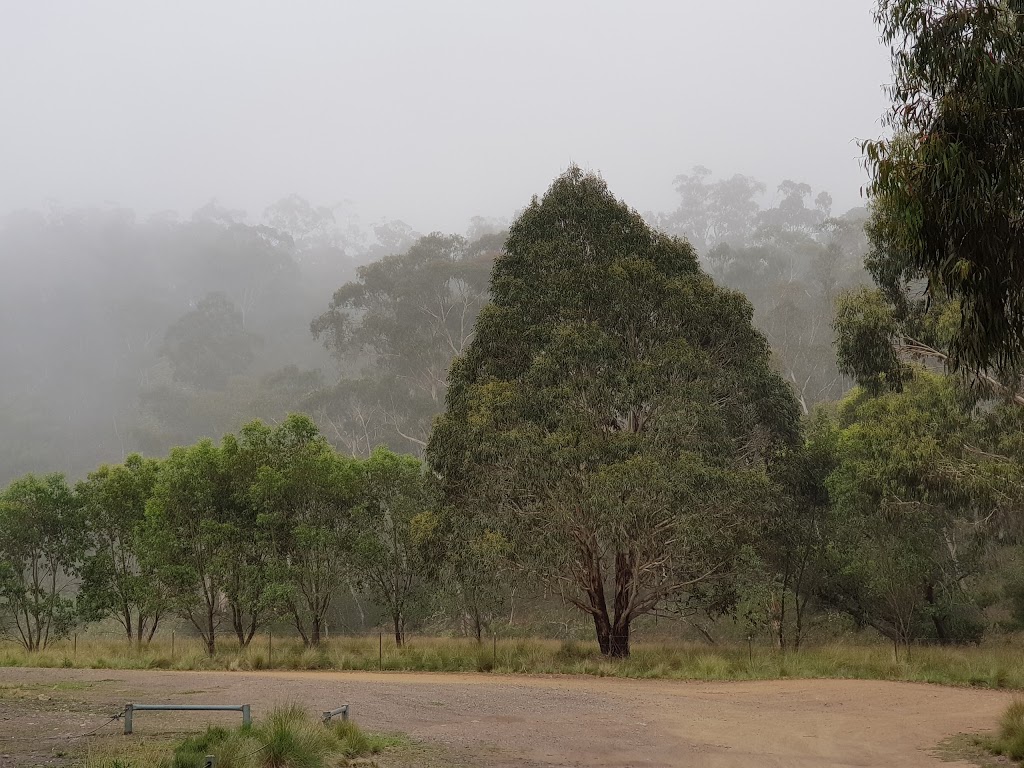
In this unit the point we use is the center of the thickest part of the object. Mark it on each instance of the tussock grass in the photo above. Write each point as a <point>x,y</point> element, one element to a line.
<point>1009,742</point>
<point>288,738</point>
<point>992,665</point>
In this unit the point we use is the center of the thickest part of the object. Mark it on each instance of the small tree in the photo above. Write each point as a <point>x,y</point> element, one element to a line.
<point>396,550</point>
<point>306,493</point>
<point>188,537</point>
<point>913,498</point>
<point>616,409</point>
<point>118,578</point>
<point>42,541</point>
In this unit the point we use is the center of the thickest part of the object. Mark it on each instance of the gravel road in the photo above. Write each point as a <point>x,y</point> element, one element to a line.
<point>498,722</point>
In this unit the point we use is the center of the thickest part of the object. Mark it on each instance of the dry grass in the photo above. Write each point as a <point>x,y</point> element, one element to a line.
<point>991,666</point>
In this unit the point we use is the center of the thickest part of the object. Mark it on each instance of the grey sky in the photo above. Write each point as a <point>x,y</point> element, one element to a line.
<point>427,111</point>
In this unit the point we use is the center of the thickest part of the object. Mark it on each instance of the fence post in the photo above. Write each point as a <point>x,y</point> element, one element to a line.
<point>380,652</point>
<point>76,645</point>
<point>270,648</point>
<point>172,646</point>
<point>494,651</point>
<point>246,715</point>
<point>127,719</point>
<point>210,761</point>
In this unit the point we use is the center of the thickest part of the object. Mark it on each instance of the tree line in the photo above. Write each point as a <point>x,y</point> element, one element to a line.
<point>270,523</point>
<point>616,435</point>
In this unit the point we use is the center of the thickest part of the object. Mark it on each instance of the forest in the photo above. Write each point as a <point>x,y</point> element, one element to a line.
<point>750,415</point>
<point>758,484</point>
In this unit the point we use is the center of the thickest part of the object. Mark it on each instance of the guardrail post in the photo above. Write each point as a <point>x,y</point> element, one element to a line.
<point>127,719</point>
<point>246,715</point>
<point>342,710</point>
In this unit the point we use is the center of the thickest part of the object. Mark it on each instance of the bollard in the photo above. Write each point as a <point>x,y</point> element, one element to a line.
<point>128,719</point>
<point>246,715</point>
<point>210,761</point>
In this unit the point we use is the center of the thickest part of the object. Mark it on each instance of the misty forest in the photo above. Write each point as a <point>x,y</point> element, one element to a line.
<point>749,417</point>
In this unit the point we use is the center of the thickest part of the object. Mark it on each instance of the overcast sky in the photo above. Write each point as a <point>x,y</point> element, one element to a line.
<point>427,111</point>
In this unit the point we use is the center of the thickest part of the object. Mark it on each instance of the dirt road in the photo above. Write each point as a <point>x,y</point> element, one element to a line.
<point>499,722</point>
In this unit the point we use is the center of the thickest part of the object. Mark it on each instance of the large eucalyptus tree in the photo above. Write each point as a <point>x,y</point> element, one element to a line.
<point>615,416</point>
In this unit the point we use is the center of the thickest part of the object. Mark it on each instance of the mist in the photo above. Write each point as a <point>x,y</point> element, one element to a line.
<point>430,113</point>
<point>214,213</point>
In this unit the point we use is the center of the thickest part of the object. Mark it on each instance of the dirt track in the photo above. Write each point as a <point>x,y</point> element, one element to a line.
<point>534,721</point>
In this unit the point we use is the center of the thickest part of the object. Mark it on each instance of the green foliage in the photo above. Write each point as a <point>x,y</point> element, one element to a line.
<point>189,533</point>
<point>618,440</point>
<point>305,495</point>
<point>42,540</point>
<point>865,343</point>
<point>914,498</point>
<point>397,552</point>
<point>946,188</point>
<point>117,579</point>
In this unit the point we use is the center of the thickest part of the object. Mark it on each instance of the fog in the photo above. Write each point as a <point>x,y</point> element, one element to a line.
<point>427,112</point>
<point>186,186</point>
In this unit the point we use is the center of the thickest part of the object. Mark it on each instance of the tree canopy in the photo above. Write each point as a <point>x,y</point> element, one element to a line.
<point>947,186</point>
<point>615,409</point>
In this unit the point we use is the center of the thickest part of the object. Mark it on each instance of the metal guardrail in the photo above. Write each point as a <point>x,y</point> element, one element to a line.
<point>342,710</point>
<point>130,709</point>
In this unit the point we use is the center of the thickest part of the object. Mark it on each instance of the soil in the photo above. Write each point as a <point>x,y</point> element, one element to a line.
<point>502,721</point>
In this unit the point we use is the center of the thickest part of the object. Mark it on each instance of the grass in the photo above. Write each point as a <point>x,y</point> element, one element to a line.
<point>1009,740</point>
<point>994,665</point>
<point>288,738</point>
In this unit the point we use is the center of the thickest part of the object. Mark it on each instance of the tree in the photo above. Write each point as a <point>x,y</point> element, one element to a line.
<point>477,567</point>
<point>209,344</point>
<point>251,586</point>
<point>948,184</point>
<point>615,407</point>
<point>119,579</point>
<point>917,490</point>
<point>396,551</point>
<point>189,534</point>
<point>709,214</point>
<point>402,322</point>
<point>42,541</point>
<point>306,495</point>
